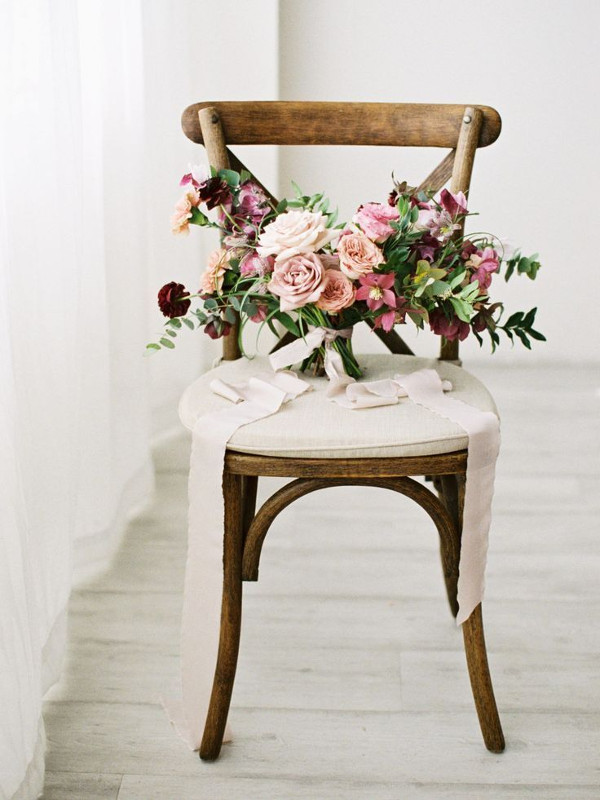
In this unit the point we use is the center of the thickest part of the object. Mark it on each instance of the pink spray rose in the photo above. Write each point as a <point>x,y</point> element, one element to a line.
<point>374,220</point>
<point>338,292</point>
<point>294,232</point>
<point>358,255</point>
<point>297,280</point>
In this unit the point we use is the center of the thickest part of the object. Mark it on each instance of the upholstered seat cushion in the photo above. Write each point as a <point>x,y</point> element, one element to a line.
<point>311,426</point>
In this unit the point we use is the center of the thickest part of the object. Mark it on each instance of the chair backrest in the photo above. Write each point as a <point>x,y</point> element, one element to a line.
<point>461,128</point>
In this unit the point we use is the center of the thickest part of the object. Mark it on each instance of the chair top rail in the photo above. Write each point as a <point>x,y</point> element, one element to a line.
<point>328,123</point>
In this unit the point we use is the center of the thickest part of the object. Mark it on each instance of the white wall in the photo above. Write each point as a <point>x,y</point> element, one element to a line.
<point>537,63</point>
<point>200,51</point>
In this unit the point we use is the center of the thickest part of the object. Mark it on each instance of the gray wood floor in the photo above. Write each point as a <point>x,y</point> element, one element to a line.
<point>351,681</point>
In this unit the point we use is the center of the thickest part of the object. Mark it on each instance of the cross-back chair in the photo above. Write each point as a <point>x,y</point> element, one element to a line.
<point>443,460</point>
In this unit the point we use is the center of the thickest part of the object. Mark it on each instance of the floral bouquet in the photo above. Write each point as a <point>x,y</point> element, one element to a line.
<point>406,259</point>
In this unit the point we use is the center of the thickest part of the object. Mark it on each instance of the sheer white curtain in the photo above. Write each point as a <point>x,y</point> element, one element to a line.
<point>74,457</point>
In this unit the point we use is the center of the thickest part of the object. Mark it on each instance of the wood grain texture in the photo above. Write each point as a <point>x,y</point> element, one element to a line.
<point>231,619</point>
<point>308,123</point>
<point>218,157</point>
<point>248,464</point>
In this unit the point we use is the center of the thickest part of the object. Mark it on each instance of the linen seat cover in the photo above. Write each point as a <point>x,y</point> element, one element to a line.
<point>311,426</point>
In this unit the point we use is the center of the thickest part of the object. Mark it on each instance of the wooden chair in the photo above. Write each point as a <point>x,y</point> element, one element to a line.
<point>463,130</point>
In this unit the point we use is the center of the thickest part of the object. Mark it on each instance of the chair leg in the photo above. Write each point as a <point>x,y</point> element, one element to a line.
<point>451,490</point>
<point>249,489</point>
<point>481,682</point>
<point>231,619</point>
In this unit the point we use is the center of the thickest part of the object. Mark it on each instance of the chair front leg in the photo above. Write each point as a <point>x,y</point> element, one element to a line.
<point>481,682</point>
<point>231,619</point>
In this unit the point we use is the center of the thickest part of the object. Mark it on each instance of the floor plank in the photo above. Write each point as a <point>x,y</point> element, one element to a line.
<point>351,680</point>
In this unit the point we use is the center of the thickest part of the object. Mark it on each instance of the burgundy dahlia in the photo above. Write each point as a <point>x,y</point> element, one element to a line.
<point>172,300</point>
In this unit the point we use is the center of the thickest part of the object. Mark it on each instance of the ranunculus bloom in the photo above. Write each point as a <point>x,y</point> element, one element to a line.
<point>183,212</point>
<point>297,280</point>
<point>213,276</point>
<point>377,290</point>
<point>172,300</point>
<point>358,255</point>
<point>338,292</point>
<point>374,220</point>
<point>253,264</point>
<point>451,329</point>
<point>483,263</point>
<point>215,192</point>
<point>295,232</point>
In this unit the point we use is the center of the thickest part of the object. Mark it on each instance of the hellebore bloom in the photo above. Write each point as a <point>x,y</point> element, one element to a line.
<point>453,328</point>
<point>441,219</point>
<point>376,289</point>
<point>483,264</point>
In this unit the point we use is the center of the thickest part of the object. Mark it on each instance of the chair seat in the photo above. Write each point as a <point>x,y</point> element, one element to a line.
<point>311,426</point>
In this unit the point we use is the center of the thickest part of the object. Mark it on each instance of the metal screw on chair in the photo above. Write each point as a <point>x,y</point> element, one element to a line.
<point>466,119</point>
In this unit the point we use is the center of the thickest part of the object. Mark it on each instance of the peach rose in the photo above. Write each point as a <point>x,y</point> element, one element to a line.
<point>338,292</point>
<point>297,280</point>
<point>358,255</point>
<point>214,274</point>
<point>294,232</point>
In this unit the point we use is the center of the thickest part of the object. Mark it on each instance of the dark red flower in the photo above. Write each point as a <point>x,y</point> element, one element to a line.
<point>172,300</point>
<point>214,192</point>
<point>451,329</point>
<point>216,327</point>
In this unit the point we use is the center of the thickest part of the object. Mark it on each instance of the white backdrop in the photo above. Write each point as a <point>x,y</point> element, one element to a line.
<point>537,62</point>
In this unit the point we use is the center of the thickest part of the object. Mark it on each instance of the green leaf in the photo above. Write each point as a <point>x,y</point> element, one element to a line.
<point>153,347</point>
<point>536,335</point>
<point>509,270</point>
<point>210,304</point>
<point>230,315</point>
<point>245,176</point>
<point>463,311</point>
<point>175,322</point>
<point>198,218</point>
<point>167,343</point>
<point>231,177</point>
<point>281,206</point>
<point>514,320</point>
<point>288,323</point>
<point>297,189</point>
<point>171,333</point>
<point>188,322</point>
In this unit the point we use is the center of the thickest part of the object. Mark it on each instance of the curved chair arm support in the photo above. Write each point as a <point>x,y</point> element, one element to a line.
<point>447,530</point>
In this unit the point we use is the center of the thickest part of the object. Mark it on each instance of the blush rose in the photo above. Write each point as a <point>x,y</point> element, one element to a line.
<point>297,280</point>
<point>338,292</point>
<point>294,232</point>
<point>358,255</point>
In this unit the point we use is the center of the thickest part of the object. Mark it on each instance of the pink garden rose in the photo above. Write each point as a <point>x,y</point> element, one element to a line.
<point>358,255</point>
<point>214,274</point>
<point>297,280</point>
<point>374,220</point>
<point>338,292</point>
<point>294,232</point>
